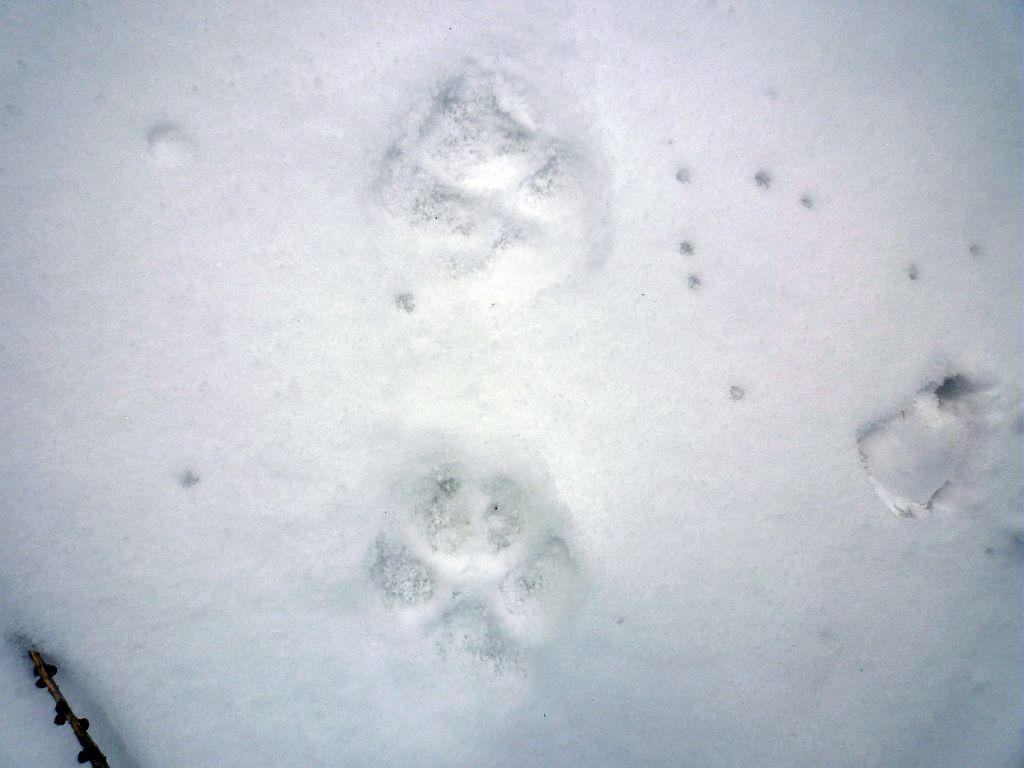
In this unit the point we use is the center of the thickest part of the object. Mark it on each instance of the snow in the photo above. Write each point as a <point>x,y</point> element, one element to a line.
<point>510,385</point>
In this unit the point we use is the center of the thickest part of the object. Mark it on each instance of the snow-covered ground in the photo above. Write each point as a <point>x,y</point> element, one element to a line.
<point>504,385</point>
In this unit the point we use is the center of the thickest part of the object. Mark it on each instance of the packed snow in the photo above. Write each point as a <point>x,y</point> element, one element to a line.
<point>506,385</point>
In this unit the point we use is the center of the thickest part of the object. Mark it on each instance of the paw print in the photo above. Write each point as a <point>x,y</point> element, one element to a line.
<point>480,556</point>
<point>493,199</point>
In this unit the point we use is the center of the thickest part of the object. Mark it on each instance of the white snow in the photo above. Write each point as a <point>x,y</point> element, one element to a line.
<point>451,384</point>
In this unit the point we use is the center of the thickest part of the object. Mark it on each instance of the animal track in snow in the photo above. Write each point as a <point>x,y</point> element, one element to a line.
<point>912,456</point>
<point>406,302</point>
<point>188,478</point>
<point>473,628</point>
<point>478,556</point>
<point>169,145</point>
<point>491,195</point>
<point>399,575</point>
<point>536,591</point>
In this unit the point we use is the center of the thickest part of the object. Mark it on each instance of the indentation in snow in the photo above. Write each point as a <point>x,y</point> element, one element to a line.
<point>495,201</point>
<point>912,456</point>
<point>478,557</point>
<point>170,146</point>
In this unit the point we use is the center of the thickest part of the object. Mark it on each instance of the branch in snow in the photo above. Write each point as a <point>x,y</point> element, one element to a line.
<point>90,752</point>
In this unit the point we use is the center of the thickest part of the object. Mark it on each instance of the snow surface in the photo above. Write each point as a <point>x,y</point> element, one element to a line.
<point>527,384</point>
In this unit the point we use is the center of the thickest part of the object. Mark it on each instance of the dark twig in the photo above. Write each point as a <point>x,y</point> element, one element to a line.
<point>90,752</point>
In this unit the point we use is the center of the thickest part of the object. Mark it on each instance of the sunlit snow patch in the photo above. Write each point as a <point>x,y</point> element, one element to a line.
<point>911,457</point>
